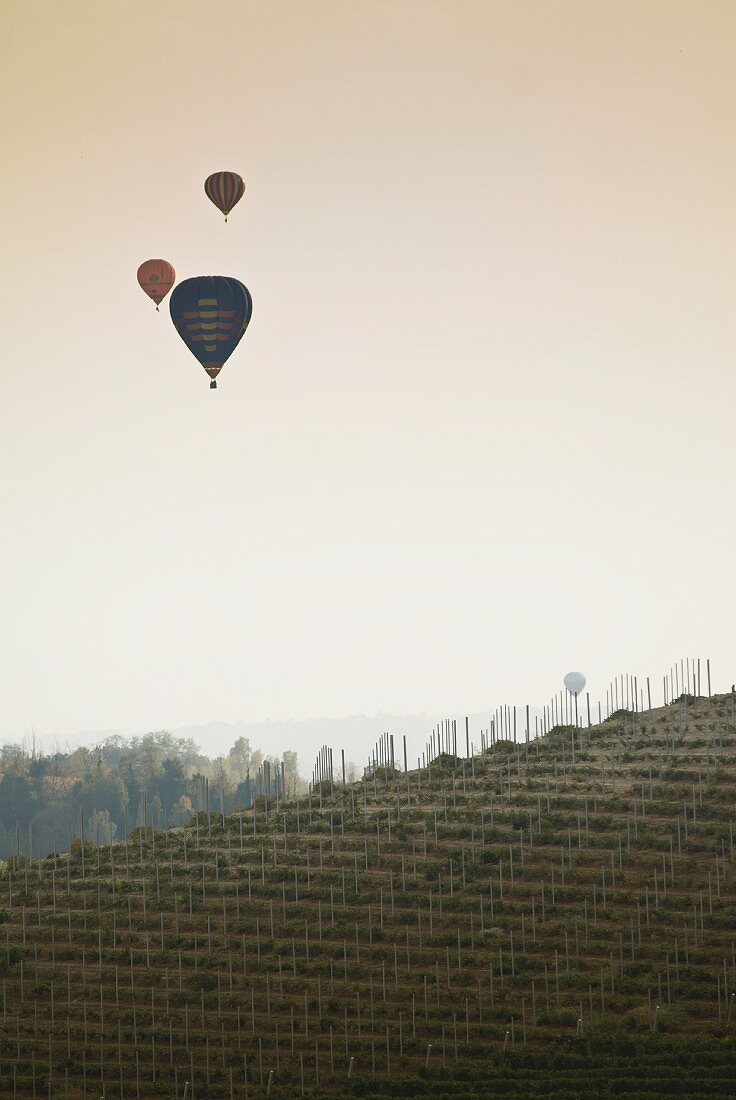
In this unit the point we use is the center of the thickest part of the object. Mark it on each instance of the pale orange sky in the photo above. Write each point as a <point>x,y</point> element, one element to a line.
<point>480,430</point>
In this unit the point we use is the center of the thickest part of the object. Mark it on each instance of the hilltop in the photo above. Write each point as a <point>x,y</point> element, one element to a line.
<point>552,917</point>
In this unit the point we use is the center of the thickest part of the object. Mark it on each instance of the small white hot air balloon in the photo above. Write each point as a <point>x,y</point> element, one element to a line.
<point>574,682</point>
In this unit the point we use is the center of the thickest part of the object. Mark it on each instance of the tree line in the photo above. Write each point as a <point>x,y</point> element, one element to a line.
<point>104,792</point>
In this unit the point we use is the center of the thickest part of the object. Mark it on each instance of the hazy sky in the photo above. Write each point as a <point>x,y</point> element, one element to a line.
<point>481,428</point>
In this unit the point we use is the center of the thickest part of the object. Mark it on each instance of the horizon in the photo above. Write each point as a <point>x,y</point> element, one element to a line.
<point>214,738</point>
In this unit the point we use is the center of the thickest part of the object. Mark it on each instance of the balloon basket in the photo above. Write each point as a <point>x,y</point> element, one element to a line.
<point>213,384</point>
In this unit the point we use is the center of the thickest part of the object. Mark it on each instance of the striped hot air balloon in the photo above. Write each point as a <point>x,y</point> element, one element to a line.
<point>224,189</point>
<point>156,278</point>
<point>211,313</point>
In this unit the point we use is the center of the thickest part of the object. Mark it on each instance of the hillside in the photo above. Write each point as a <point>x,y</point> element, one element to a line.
<point>524,918</point>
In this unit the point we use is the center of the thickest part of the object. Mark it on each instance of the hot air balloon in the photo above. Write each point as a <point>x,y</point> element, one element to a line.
<point>156,277</point>
<point>224,189</point>
<point>211,313</point>
<point>574,682</point>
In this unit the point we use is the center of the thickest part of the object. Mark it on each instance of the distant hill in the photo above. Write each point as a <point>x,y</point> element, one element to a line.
<point>355,733</point>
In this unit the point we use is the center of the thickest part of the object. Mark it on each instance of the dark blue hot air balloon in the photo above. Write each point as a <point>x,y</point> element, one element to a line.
<point>211,313</point>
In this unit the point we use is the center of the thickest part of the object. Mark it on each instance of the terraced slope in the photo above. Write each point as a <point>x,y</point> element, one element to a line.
<point>499,919</point>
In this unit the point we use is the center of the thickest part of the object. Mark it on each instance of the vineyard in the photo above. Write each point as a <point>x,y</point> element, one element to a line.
<point>552,916</point>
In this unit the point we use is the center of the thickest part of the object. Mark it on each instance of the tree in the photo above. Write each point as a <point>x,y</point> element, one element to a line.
<point>244,793</point>
<point>133,797</point>
<point>50,826</point>
<point>13,757</point>
<point>240,757</point>
<point>182,812</point>
<point>100,828</point>
<point>7,842</point>
<point>79,762</point>
<point>98,789</point>
<point>171,783</point>
<point>16,800</point>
